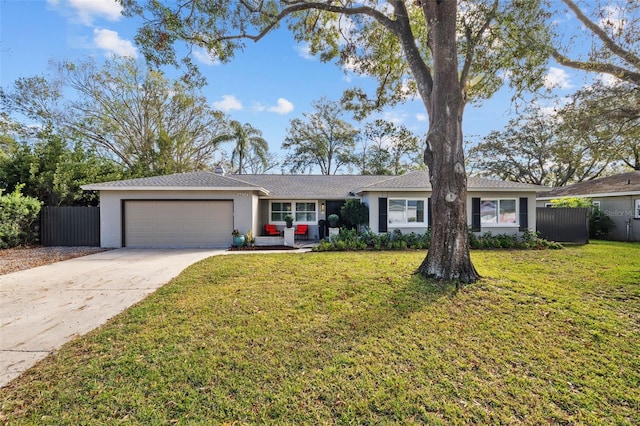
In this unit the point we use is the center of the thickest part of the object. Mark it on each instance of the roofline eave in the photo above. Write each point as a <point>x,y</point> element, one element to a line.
<point>261,191</point>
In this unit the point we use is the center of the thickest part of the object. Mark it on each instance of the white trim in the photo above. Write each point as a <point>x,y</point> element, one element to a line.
<point>293,211</point>
<point>636,208</point>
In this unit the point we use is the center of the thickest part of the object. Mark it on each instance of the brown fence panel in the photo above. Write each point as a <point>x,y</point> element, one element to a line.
<point>70,226</point>
<point>563,224</point>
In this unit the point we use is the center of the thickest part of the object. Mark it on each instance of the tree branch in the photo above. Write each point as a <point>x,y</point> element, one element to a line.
<point>299,6</point>
<point>615,70</point>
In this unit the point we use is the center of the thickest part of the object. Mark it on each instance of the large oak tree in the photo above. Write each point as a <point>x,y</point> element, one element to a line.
<point>443,53</point>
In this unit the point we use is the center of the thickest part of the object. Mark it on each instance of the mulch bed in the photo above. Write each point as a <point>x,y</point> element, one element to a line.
<point>261,248</point>
<point>21,258</point>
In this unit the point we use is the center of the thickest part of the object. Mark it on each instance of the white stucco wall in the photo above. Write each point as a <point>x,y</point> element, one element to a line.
<point>245,212</point>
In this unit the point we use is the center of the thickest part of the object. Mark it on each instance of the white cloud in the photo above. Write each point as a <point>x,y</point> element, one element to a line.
<point>395,117</point>
<point>304,51</point>
<point>557,78</point>
<point>228,103</point>
<point>204,57</point>
<point>86,11</point>
<point>111,42</point>
<point>422,117</point>
<point>609,81</point>
<point>283,107</point>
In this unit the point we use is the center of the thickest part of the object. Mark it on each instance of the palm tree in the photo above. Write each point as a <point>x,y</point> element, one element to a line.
<point>248,140</point>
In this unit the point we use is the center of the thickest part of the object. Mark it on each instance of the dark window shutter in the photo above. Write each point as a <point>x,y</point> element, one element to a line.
<point>524,213</point>
<point>382,214</point>
<point>475,214</point>
<point>429,220</point>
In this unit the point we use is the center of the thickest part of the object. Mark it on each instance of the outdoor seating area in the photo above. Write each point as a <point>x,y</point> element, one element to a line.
<point>301,231</point>
<point>271,231</point>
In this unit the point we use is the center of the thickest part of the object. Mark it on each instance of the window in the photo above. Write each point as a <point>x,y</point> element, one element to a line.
<point>636,210</point>
<point>304,212</point>
<point>279,211</point>
<point>407,212</point>
<point>502,212</point>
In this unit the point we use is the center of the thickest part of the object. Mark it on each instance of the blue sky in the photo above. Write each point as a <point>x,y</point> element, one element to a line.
<point>267,84</point>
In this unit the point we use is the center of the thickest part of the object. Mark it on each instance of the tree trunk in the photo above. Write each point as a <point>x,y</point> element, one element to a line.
<point>448,256</point>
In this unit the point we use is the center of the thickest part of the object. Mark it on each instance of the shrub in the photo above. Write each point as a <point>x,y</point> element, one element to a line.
<point>355,213</point>
<point>599,223</point>
<point>18,219</point>
<point>349,239</point>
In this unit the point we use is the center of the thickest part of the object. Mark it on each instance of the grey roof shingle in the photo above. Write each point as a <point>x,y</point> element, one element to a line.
<point>206,180</point>
<point>310,186</point>
<point>622,183</point>
<point>300,186</point>
<point>419,180</point>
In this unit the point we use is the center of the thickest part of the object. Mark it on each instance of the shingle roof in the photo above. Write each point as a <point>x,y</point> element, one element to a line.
<point>192,180</point>
<point>419,180</point>
<point>618,184</point>
<point>298,186</point>
<point>310,186</point>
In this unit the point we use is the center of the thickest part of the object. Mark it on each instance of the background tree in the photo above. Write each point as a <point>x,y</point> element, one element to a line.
<point>543,149</point>
<point>137,116</point>
<point>256,165</point>
<point>50,171</point>
<point>388,149</point>
<point>249,143</point>
<point>609,114</point>
<point>320,139</point>
<point>411,48</point>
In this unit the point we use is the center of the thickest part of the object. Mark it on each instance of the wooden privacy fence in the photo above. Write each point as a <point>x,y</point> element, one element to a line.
<point>563,224</point>
<point>70,226</point>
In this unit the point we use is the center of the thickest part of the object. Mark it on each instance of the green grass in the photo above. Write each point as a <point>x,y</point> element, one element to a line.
<point>355,338</point>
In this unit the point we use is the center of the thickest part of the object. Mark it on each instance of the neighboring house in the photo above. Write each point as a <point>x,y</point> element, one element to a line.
<point>201,209</point>
<point>617,196</point>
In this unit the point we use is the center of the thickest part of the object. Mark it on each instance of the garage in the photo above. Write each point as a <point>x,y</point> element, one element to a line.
<point>177,223</point>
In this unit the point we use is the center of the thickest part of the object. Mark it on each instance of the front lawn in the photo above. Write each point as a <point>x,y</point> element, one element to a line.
<point>355,338</point>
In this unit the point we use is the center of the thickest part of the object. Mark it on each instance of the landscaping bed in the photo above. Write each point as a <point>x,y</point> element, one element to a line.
<point>260,248</point>
<point>21,258</point>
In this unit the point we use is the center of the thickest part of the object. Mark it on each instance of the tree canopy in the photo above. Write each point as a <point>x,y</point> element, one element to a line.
<point>135,115</point>
<point>542,148</point>
<point>49,168</point>
<point>320,139</point>
<point>388,149</point>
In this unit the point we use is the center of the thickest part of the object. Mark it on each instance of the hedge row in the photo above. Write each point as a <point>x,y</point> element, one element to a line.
<point>348,239</point>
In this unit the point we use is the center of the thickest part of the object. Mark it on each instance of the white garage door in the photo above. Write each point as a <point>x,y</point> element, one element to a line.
<point>178,223</point>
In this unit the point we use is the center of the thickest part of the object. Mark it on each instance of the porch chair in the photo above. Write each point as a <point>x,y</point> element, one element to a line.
<point>271,230</point>
<point>301,231</point>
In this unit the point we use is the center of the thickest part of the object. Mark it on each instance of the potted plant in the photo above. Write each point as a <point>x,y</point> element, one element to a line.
<point>251,241</point>
<point>289,220</point>
<point>333,220</point>
<point>238,238</point>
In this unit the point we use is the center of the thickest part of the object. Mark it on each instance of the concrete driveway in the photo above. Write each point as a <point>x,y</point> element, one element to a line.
<point>45,307</point>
